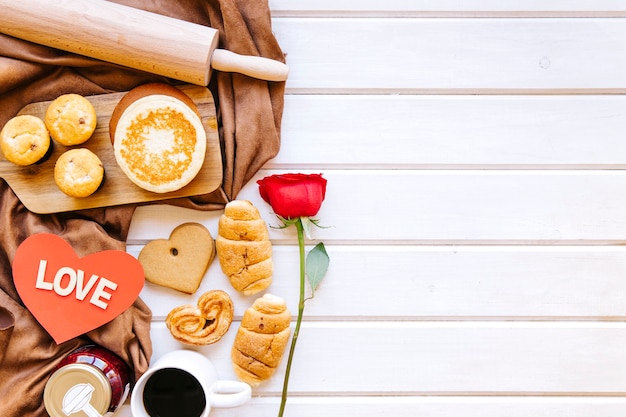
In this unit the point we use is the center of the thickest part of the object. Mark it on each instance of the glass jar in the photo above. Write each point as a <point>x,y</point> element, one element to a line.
<point>92,379</point>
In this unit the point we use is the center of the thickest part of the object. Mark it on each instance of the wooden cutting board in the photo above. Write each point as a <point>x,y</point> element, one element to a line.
<point>35,186</point>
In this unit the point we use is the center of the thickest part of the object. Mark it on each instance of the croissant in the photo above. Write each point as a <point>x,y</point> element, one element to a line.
<point>261,339</point>
<point>243,247</point>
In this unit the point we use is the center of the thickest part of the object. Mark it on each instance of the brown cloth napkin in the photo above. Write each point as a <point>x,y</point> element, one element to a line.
<point>249,116</point>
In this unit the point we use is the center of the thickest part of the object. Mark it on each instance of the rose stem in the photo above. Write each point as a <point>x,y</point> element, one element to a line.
<point>294,339</point>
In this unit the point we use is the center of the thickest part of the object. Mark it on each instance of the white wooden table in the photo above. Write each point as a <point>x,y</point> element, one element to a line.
<point>475,155</point>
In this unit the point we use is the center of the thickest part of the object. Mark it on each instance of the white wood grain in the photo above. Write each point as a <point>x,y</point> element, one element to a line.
<point>475,203</point>
<point>452,131</point>
<point>439,283</point>
<point>427,406</point>
<point>447,207</point>
<point>441,358</point>
<point>460,7</point>
<point>404,55</point>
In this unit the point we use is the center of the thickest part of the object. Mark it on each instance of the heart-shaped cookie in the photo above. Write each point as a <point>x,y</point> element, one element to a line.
<point>69,295</point>
<point>181,261</point>
<point>203,324</point>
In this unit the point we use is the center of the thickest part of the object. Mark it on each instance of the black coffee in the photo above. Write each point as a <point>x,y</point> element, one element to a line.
<point>171,392</point>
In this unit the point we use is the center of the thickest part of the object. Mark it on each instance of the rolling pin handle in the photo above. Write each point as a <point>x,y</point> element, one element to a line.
<point>253,66</point>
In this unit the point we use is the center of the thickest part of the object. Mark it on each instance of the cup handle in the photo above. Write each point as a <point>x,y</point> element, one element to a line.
<point>225,394</point>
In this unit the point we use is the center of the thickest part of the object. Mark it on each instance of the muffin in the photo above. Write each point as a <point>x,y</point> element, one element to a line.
<point>78,172</point>
<point>158,138</point>
<point>71,119</point>
<point>24,140</point>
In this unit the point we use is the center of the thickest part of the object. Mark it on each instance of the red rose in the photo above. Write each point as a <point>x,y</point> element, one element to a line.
<point>293,195</point>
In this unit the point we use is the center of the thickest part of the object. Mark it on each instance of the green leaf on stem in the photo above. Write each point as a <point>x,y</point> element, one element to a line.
<point>317,262</point>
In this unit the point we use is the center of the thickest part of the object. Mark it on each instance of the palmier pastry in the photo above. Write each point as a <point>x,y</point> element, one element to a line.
<point>243,247</point>
<point>261,339</point>
<point>203,324</point>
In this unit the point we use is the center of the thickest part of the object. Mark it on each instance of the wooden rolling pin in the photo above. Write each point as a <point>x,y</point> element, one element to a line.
<point>132,38</point>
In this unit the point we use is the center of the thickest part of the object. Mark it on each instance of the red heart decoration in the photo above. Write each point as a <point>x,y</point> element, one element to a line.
<point>69,295</point>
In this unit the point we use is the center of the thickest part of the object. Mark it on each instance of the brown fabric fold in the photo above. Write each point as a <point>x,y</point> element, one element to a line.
<point>249,117</point>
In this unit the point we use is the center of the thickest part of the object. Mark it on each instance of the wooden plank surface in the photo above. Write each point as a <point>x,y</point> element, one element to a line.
<point>461,8</point>
<point>449,207</point>
<point>475,160</point>
<point>463,283</point>
<point>453,55</point>
<point>430,358</point>
<point>453,132</point>
<point>429,406</point>
<point>436,406</point>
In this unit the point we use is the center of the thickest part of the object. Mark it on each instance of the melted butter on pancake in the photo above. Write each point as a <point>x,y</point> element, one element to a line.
<point>161,143</point>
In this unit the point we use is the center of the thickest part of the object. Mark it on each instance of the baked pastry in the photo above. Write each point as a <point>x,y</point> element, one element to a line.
<point>203,324</point>
<point>158,138</point>
<point>261,339</point>
<point>78,172</point>
<point>71,119</point>
<point>181,261</point>
<point>24,140</point>
<point>243,247</point>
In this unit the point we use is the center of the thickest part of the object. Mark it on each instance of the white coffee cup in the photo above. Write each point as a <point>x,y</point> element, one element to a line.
<point>219,394</point>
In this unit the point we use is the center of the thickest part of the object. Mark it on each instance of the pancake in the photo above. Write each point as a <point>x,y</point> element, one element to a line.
<point>158,138</point>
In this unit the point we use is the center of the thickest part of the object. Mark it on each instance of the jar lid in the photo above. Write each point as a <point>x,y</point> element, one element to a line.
<point>76,387</point>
